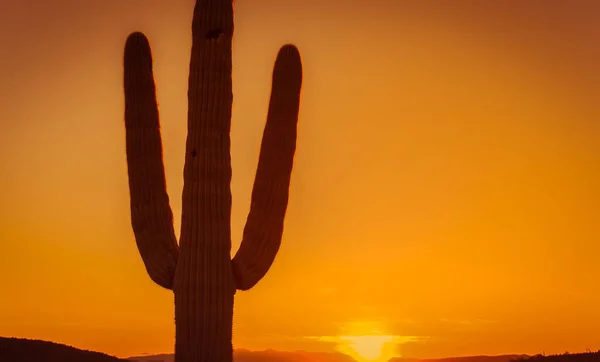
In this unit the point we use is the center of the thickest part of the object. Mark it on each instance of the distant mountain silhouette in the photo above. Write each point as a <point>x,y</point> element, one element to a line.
<point>500,358</point>
<point>33,350</point>
<point>243,355</point>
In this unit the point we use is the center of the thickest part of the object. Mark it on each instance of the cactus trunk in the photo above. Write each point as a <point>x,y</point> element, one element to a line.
<point>204,312</point>
<point>199,270</point>
<point>204,284</point>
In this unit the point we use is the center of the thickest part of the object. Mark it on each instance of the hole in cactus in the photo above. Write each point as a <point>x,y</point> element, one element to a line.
<point>214,34</point>
<point>194,153</point>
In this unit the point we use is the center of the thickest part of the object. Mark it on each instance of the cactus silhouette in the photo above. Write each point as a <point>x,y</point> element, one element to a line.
<point>199,270</point>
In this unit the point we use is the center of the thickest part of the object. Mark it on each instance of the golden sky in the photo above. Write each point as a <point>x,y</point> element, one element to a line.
<point>444,197</point>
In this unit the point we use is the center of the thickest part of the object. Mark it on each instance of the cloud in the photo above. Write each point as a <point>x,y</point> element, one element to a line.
<point>351,339</point>
<point>468,322</point>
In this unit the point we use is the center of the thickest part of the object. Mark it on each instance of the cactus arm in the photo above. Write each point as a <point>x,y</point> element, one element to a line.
<point>151,215</point>
<point>264,226</point>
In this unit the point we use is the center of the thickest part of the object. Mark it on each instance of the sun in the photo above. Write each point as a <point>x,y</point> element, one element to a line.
<point>367,348</point>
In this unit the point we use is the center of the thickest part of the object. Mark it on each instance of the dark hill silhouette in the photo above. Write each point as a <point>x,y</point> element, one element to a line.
<point>33,350</point>
<point>565,357</point>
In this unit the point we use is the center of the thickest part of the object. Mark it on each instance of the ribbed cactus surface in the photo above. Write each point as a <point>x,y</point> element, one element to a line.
<point>199,269</point>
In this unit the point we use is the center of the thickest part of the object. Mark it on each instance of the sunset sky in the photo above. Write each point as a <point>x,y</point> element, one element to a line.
<point>444,198</point>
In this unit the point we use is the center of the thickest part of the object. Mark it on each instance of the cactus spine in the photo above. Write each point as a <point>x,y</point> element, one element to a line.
<point>199,270</point>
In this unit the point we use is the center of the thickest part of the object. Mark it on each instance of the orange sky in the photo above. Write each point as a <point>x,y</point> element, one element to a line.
<point>445,189</point>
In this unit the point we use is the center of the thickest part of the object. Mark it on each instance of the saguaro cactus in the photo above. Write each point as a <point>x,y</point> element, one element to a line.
<point>199,270</point>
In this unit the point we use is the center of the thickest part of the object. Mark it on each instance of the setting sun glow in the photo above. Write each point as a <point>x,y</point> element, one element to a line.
<point>366,348</point>
<point>365,341</point>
